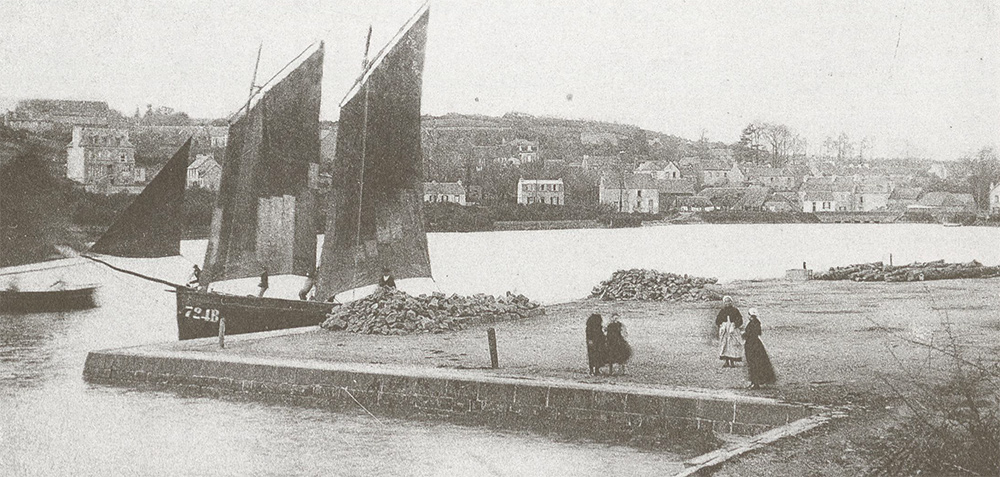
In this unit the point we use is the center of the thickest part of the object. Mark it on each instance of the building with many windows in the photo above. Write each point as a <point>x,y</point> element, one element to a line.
<point>541,191</point>
<point>102,157</point>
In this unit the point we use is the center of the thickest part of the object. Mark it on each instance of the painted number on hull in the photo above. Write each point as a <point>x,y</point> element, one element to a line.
<point>199,313</point>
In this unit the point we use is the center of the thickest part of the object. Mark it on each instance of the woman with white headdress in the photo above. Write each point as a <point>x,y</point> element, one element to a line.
<point>729,320</point>
<point>758,363</point>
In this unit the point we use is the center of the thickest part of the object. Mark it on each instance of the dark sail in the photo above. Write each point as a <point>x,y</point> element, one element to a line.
<point>264,214</point>
<point>151,226</point>
<point>374,219</point>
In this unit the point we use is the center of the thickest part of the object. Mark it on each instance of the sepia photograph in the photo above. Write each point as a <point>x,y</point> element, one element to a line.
<point>499,237</point>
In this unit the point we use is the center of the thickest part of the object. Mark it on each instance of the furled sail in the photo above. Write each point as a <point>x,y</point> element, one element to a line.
<point>152,224</point>
<point>263,219</point>
<point>374,219</point>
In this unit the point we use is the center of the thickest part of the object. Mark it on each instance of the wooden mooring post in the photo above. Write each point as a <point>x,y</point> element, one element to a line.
<point>222,332</point>
<point>491,335</point>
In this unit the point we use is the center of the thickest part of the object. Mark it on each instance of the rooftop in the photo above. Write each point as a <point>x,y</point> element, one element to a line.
<point>444,188</point>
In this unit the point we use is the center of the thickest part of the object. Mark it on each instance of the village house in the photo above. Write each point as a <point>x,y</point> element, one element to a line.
<point>631,193</point>
<point>995,199</point>
<point>717,172</point>
<point>204,172</point>
<point>672,189</point>
<point>821,201</point>
<point>46,114</point>
<point>444,192</point>
<point>782,202</point>
<point>523,151</point>
<point>541,191</point>
<point>870,196</point>
<point>659,170</point>
<point>827,194</point>
<point>102,156</point>
<point>902,198</point>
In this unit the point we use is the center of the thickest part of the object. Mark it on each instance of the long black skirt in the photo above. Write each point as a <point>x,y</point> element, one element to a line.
<point>758,363</point>
<point>619,350</point>
<point>597,354</point>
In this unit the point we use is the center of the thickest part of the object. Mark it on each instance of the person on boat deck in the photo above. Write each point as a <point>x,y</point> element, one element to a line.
<point>596,344</point>
<point>758,363</point>
<point>307,286</point>
<point>263,284</point>
<point>195,277</point>
<point>619,351</point>
<point>729,320</point>
<point>387,280</point>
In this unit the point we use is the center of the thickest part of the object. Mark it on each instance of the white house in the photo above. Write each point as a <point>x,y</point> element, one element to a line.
<point>541,191</point>
<point>444,192</point>
<point>819,201</point>
<point>101,156</point>
<point>660,170</point>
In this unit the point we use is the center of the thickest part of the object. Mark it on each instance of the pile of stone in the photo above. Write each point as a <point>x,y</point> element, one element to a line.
<point>652,285</point>
<point>917,271</point>
<point>392,312</point>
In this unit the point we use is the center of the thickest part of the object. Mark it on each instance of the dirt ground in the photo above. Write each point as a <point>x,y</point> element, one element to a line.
<point>835,343</point>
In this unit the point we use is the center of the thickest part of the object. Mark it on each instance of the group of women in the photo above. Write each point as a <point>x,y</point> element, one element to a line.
<point>606,346</point>
<point>735,342</point>
<point>609,346</point>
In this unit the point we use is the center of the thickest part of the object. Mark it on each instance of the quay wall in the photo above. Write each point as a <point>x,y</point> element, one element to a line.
<point>625,412</point>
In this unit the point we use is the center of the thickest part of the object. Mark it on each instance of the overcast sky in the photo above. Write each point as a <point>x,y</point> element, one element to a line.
<point>914,76</point>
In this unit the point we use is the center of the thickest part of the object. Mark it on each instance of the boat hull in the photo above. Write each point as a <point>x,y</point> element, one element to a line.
<point>198,313</point>
<point>47,300</point>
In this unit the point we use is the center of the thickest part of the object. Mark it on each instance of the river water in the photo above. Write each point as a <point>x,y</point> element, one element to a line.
<point>53,423</point>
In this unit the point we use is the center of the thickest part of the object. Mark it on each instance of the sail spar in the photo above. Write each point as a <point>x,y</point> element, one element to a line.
<point>263,219</point>
<point>374,219</point>
<point>151,226</point>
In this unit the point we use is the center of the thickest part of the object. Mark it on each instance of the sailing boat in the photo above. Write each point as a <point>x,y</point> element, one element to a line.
<point>263,223</point>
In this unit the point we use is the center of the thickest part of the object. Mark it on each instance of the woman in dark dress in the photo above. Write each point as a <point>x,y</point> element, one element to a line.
<point>596,343</point>
<point>619,350</point>
<point>758,363</point>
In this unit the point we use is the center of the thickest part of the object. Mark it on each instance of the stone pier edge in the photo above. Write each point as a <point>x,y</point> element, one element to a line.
<point>465,396</point>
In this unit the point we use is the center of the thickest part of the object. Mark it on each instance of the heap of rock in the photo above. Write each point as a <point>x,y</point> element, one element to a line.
<point>652,285</point>
<point>917,271</point>
<point>392,312</point>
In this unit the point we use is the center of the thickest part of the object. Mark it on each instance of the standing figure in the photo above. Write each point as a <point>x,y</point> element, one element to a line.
<point>195,277</point>
<point>619,350</point>
<point>729,322</point>
<point>387,280</point>
<point>596,343</point>
<point>758,363</point>
<point>263,284</point>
